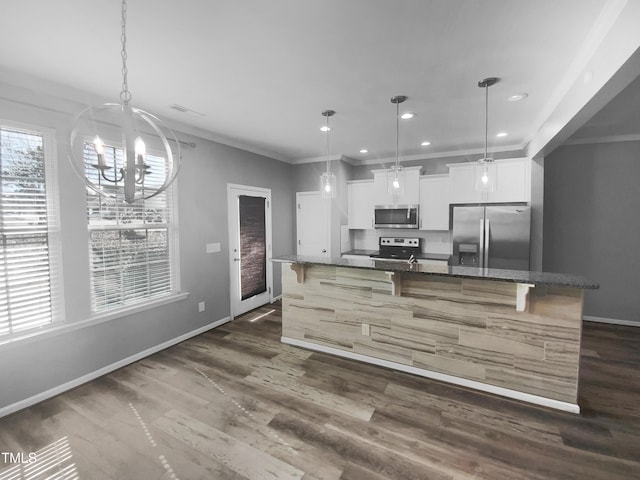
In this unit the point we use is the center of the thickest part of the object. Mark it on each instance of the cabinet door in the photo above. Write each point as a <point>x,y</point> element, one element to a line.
<point>411,194</point>
<point>360,206</point>
<point>511,182</point>
<point>462,179</point>
<point>434,202</point>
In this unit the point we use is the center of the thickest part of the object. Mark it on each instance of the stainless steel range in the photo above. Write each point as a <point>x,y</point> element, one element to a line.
<point>399,248</point>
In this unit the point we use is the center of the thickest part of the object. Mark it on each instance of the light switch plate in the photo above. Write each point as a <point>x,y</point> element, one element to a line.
<point>366,330</point>
<point>201,307</point>
<point>213,247</point>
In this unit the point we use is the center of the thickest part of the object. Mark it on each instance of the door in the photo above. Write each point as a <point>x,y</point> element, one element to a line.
<point>507,237</point>
<point>312,224</point>
<point>467,235</point>
<point>249,247</point>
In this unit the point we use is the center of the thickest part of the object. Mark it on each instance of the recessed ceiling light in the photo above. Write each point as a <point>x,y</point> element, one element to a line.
<point>516,97</point>
<point>324,129</point>
<point>502,134</point>
<point>407,115</point>
<point>364,150</point>
<point>425,144</point>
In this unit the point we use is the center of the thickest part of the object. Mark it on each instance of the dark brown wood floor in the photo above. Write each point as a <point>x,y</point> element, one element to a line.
<point>236,404</point>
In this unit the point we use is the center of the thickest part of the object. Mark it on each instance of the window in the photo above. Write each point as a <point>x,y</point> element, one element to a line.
<point>27,225</point>
<point>131,246</point>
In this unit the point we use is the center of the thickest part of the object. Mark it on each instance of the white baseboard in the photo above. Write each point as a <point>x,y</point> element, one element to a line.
<point>463,382</point>
<point>612,321</point>
<point>27,402</point>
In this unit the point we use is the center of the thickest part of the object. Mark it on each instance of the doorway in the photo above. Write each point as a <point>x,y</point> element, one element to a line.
<point>250,271</point>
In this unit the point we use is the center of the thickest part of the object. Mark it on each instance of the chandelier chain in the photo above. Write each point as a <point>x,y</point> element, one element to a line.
<point>125,95</point>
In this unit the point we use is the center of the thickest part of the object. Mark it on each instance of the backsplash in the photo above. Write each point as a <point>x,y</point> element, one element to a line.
<point>432,241</point>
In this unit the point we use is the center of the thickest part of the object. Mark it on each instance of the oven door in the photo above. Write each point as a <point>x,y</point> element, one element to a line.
<point>396,216</point>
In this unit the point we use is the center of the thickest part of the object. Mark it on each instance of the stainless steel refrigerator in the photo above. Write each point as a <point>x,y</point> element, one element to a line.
<point>491,236</point>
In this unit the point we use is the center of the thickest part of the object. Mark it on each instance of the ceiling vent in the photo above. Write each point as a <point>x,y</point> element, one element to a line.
<point>181,109</point>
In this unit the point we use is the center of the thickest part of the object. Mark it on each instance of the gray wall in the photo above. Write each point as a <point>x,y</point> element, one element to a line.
<point>33,366</point>
<point>591,223</point>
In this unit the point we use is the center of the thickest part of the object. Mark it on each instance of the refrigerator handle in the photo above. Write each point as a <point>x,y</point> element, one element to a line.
<point>487,235</point>
<point>481,251</point>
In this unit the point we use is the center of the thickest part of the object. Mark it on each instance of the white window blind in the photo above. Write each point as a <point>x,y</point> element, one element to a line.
<point>130,245</point>
<point>25,273</point>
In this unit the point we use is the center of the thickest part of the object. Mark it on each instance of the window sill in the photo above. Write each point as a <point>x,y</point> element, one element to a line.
<point>60,328</point>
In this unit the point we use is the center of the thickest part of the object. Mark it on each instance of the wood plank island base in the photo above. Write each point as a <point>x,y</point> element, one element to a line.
<point>510,333</point>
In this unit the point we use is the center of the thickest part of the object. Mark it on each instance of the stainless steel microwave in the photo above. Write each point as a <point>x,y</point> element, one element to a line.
<point>396,216</point>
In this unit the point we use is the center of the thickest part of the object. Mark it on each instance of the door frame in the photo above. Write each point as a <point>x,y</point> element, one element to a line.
<point>232,188</point>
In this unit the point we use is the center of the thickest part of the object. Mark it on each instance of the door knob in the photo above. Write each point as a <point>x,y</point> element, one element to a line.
<point>236,259</point>
<point>324,250</point>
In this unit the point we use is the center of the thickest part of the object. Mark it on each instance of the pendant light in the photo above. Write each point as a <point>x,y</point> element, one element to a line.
<point>328,178</point>
<point>396,175</point>
<point>120,151</point>
<point>486,168</point>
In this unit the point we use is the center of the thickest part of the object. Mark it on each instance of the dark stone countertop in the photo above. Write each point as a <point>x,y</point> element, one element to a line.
<point>513,276</point>
<point>421,256</point>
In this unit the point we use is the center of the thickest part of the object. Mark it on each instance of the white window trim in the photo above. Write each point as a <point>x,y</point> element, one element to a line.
<point>174,260</point>
<point>53,218</point>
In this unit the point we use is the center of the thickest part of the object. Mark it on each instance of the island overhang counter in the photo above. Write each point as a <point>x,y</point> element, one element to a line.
<point>508,332</point>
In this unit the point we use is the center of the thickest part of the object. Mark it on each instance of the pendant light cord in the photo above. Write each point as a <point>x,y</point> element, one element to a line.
<point>125,95</point>
<point>486,120</point>
<point>397,136</point>
<point>328,149</point>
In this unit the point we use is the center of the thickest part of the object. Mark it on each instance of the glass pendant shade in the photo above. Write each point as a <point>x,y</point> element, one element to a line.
<point>328,185</point>
<point>485,175</point>
<point>396,181</point>
<point>396,174</point>
<point>123,152</point>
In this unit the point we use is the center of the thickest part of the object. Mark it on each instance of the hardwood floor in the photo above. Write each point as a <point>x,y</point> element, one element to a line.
<point>235,403</point>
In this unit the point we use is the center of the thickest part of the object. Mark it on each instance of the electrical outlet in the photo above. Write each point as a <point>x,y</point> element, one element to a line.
<point>201,307</point>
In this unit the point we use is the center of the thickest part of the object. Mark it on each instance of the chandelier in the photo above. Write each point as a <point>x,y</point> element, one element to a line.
<point>120,151</point>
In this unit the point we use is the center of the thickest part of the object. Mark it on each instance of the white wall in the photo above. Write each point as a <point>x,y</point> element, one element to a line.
<point>42,364</point>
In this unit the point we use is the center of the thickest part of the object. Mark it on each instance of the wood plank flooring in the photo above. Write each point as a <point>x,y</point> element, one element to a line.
<point>235,403</point>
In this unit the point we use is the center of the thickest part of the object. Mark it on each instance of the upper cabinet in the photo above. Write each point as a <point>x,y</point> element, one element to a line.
<point>411,194</point>
<point>434,202</point>
<point>512,182</point>
<point>360,204</point>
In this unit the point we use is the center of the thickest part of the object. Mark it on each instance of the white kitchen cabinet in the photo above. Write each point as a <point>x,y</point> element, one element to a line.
<point>434,202</point>
<point>512,182</point>
<point>411,194</point>
<point>360,204</point>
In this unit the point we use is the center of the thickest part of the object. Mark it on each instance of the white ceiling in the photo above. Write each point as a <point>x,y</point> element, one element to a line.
<point>261,71</point>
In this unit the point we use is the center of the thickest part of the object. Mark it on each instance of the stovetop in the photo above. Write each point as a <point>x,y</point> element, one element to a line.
<point>398,248</point>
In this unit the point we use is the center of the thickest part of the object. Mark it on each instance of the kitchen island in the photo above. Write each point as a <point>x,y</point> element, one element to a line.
<point>509,332</point>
